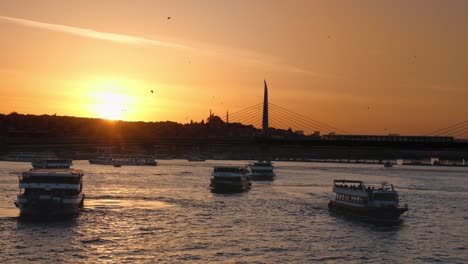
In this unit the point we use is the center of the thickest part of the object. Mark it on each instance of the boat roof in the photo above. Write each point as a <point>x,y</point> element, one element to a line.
<point>54,172</point>
<point>347,181</point>
<point>53,160</point>
<point>261,163</point>
<point>230,167</point>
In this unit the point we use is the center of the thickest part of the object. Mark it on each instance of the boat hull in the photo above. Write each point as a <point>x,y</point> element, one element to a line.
<point>377,215</point>
<point>229,187</point>
<point>258,176</point>
<point>32,209</point>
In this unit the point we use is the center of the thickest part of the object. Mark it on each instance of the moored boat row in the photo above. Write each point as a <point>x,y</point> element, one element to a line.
<point>125,160</point>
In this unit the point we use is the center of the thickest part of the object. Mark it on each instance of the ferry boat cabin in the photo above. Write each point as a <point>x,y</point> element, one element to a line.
<point>262,171</point>
<point>230,179</point>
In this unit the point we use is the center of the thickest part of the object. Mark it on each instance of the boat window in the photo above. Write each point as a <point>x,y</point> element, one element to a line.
<point>228,170</point>
<point>385,196</point>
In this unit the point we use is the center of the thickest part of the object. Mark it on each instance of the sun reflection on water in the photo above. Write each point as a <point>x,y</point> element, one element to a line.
<point>118,204</point>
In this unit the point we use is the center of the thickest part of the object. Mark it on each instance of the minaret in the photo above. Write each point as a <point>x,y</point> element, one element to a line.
<point>265,111</point>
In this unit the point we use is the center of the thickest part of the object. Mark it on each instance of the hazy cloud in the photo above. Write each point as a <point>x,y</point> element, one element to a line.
<point>89,33</point>
<point>246,57</point>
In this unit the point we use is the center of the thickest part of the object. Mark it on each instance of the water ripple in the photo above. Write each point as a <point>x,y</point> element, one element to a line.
<point>167,214</point>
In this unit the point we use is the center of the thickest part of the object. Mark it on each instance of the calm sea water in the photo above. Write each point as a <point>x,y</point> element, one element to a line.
<point>167,214</point>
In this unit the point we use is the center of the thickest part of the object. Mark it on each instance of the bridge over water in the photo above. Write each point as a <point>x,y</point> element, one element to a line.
<point>269,116</point>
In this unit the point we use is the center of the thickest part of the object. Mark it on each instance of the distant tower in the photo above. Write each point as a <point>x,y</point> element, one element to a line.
<point>265,111</point>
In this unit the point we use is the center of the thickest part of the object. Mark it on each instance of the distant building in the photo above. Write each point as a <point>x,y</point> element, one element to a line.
<point>299,132</point>
<point>214,121</point>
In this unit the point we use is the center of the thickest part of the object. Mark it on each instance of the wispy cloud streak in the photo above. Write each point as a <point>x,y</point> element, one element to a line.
<point>243,56</point>
<point>89,33</point>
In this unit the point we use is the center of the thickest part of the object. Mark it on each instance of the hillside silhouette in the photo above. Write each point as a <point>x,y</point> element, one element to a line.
<point>16,127</point>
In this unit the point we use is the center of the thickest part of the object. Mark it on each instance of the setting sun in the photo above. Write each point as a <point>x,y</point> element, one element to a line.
<point>111,105</point>
<point>119,98</point>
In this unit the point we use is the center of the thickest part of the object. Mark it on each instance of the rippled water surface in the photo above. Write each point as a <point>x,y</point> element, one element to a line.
<point>167,214</point>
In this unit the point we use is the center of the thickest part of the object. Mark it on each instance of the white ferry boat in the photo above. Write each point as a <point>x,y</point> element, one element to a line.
<point>51,189</point>
<point>262,170</point>
<point>230,179</point>
<point>379,205</point>
<point>127,160</point>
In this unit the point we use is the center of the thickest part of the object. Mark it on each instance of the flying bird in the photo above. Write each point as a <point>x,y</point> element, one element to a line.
<point>151,91</point>
<point>168,17</point>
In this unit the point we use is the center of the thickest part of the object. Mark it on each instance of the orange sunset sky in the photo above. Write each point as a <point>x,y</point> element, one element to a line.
<point>368,67</point>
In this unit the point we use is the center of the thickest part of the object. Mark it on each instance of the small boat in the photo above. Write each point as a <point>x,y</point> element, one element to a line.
<point>117,165</point>
<point>230,179</point>
<point>378,205</point>
<point>388,164</point>
<point>50,189</point>
<point>127,160</point>
<point>195,158</point>
<point>262,171</point>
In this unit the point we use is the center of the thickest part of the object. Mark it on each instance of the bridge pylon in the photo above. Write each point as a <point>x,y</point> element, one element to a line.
<point>265,111</point>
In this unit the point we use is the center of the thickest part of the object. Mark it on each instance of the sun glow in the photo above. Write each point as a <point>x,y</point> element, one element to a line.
<point>126,99</point>
<point>111,105</point>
